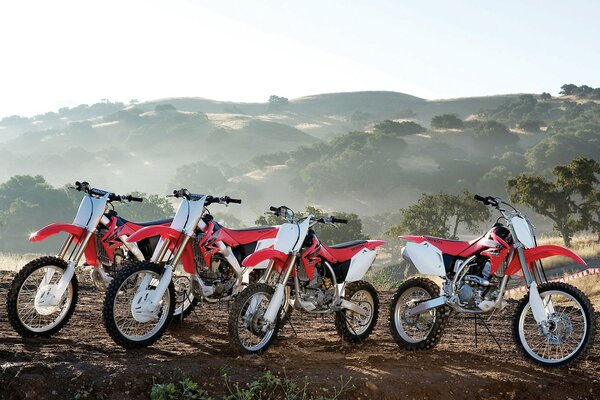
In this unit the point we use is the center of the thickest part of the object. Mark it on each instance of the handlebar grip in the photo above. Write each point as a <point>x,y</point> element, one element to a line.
<point>236,201</point>
<point>274,209</point>
<point>132,198</point>
<point>339,220</point>
<point>480,198</point>
<point>82,186</point>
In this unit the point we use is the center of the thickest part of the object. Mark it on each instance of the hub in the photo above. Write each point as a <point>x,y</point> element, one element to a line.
<point>45,303</point>
<point>141,308</point>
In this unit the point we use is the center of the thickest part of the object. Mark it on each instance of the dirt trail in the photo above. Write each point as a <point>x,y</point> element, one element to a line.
<point>81,358</point>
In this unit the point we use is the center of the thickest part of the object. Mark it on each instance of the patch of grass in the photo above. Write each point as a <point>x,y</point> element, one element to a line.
<point>271,386</point>
<point>14,262</point>
<point>185,389</point>
<point>388,277</point>
<point>268,386</point>
<point>590,285</point>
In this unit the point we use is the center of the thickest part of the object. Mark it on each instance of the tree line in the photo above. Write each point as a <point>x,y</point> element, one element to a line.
<point>570,198</point>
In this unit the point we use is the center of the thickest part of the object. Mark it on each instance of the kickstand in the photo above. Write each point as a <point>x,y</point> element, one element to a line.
<point>194,309</point>
<point>475,319</point>
<point>191,299</point>
<point>289,321</point>
<point>487,328</point>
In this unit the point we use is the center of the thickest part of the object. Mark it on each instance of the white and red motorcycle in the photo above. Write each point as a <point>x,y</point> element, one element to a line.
<point>43,295</point>
<point>553,324</point>
<point>139,303</point>
<point>324,280</point>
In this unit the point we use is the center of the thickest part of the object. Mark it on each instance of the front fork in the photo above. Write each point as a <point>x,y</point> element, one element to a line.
<point>58,290</point>
<point>277,299</point>
<point>153,302</point>
<point>540,310</point>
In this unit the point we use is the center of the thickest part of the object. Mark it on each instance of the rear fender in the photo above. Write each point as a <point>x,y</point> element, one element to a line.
<point>373,244</point>
<point>52,229</point>
<point>412,238</point>
<point>539,252</point>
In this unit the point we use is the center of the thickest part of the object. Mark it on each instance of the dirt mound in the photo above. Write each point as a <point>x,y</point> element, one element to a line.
<point>82,361</point>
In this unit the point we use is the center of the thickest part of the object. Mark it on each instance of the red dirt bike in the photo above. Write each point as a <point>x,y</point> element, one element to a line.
<point>139,303</point>
<point>325,279</point>
<point>553,324</point>
<point>43,294</point>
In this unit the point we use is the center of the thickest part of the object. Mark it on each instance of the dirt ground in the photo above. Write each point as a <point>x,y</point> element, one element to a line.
<point>81,361</point>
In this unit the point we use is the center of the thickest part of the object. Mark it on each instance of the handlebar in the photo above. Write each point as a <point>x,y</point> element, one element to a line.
<point>488,201</point>
<point>495,202</point>
<point>87,188</point>
<point>287,213</point>
<point>338,220</point>
<point>209,199</point>
<point>331,220</point>
<point>132,198</point>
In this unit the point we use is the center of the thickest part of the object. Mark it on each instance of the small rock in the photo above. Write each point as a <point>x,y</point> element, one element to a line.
<point>371,386</point>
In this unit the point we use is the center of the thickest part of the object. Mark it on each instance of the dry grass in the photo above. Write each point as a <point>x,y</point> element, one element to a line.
<point>590,285</point>
<point>585,246</point>
<point>14,262</point>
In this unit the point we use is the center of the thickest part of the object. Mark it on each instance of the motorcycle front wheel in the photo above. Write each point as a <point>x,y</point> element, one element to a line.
<point>125,296</point>
<point>247,328</point>
<point>28,311</point>
<point>565,336</point>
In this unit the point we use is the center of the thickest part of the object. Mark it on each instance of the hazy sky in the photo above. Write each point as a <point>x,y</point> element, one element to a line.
<point>57,53</point>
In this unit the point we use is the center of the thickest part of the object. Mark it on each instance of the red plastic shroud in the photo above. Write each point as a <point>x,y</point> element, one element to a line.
<point>110,240</point>
<point>312,256</point>
<point>208,243</point>
<point>495,249</point>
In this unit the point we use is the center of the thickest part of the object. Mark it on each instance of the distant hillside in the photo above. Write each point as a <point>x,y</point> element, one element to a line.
<point>348,151</point>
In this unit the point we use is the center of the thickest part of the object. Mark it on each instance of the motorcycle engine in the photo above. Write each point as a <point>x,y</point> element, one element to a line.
<point>219,274</point>
<point>319,290</point>
<point>478,288</point>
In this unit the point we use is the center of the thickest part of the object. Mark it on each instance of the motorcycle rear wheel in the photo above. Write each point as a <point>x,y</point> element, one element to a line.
<point>422,331</point>
<point>353,327</point>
